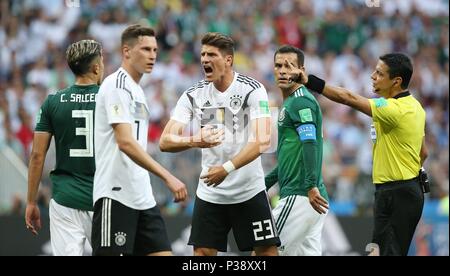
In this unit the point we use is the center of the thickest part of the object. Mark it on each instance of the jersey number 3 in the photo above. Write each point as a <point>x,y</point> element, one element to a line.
<point>87,132</point>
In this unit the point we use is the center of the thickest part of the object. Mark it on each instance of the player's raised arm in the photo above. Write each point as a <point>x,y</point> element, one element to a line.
<point>334,93</point>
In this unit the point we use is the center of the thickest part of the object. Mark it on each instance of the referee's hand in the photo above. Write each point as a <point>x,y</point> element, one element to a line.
<point>317,201</point>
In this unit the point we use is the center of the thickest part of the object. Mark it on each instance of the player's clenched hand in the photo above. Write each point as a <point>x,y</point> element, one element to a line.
<point>296,74</point>
<point>214,176</point>
<point>317,201</point>
<point>208,137</point>
<point>177,188</point>
<point>33,218</point>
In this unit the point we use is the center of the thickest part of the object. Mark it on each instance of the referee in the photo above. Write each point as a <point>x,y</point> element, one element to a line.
<point>398,133</point>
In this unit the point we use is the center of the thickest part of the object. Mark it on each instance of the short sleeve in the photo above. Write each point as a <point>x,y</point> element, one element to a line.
<point>43,119</point>
<point>118,103</point>
<point>303,111</point>
<point>183,110</point>
<point>386,112</point>
<point>259,104</point>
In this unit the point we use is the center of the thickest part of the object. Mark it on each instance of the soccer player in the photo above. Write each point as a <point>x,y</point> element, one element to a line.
<point>301,211</point>
<point>68,115</point>
<point>126,218</point>
<point>399,150</point>
<point>231,192</point>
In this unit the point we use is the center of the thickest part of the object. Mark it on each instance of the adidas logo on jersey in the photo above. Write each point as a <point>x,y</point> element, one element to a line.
<point>207,104</point>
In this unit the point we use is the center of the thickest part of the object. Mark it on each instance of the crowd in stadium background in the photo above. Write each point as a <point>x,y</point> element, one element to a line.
<point>342,40</point>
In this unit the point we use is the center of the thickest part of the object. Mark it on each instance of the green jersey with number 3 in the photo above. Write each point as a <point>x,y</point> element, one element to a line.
<point>69,116</point>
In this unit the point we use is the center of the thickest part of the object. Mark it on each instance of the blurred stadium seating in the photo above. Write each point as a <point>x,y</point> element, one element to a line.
<point>342,40</point>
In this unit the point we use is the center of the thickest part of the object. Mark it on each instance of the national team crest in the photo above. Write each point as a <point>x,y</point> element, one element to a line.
<point>121,238</point>
<point>282,115</point>
<point>236,102</point>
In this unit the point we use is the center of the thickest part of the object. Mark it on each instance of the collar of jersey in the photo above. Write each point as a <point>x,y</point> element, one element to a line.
<point>298,89</point>
<point>401,95</point>
<point>128,75</point>
<point>235,75</point>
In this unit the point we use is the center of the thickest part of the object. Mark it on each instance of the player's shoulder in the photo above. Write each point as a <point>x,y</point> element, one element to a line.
<point>200,85</point>
<point>303,98</point>
<point>248,81</point>
<point>114,80</point>
<point>56,94</point>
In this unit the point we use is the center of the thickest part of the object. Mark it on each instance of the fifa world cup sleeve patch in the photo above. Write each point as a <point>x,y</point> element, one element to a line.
<point>116,110</point>
<point>264,107</point>
<point>305,115</point>
<point>307,132</point>
<point>380,102</point>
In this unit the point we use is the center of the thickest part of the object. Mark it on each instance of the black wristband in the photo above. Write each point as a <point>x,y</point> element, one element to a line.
<point>316,84</point>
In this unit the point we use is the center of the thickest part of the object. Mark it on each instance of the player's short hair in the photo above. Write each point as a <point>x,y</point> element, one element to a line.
<point>400,65</point>
<point>224,43</point>
<point>131,34</point>
<point>81,54</point>
<point>286,49</point>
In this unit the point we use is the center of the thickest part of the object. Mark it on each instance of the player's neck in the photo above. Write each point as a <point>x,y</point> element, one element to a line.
<point>394,93</point>
<point>135,75</point>
<point>224,82</point>
<point>85,80</point>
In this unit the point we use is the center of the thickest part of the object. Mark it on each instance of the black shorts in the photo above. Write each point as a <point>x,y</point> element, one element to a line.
<point>397,211</point>
<point>120,230</point>
<point>251,221</point>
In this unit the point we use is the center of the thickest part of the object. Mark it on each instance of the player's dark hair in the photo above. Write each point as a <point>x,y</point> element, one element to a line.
<point>286,49</point>
<point>131,34</point>
<point>224,43</point>
<point>81,54</point>
<point>400,65</point>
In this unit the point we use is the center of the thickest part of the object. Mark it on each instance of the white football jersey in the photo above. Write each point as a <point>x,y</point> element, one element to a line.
<point>121,100</point>
<point>234,109</point>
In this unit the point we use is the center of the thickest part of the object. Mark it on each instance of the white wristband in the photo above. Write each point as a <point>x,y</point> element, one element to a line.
<point>229,166</point>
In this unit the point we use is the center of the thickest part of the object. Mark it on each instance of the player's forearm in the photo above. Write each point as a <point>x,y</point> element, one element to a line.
<point>35,168</point>
<point>136,153</point>
<point>250,152</point>
<point>339,94</point>
<point>344,96</point>
<point>423,152</point>
<point>175,143</point>
<point>311,165</point>
<point>271,178</point>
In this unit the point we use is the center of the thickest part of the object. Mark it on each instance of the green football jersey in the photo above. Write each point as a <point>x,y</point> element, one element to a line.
<point>299,164</point>
<point>69,116</point>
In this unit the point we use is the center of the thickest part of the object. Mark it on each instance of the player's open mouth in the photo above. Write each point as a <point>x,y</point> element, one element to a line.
<point>208,70</point>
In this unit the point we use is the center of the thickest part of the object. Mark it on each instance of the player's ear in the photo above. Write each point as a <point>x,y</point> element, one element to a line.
<point>230,60</point>
<point>96,68</point>
<point>398,81</point>
<point>126,51</point>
